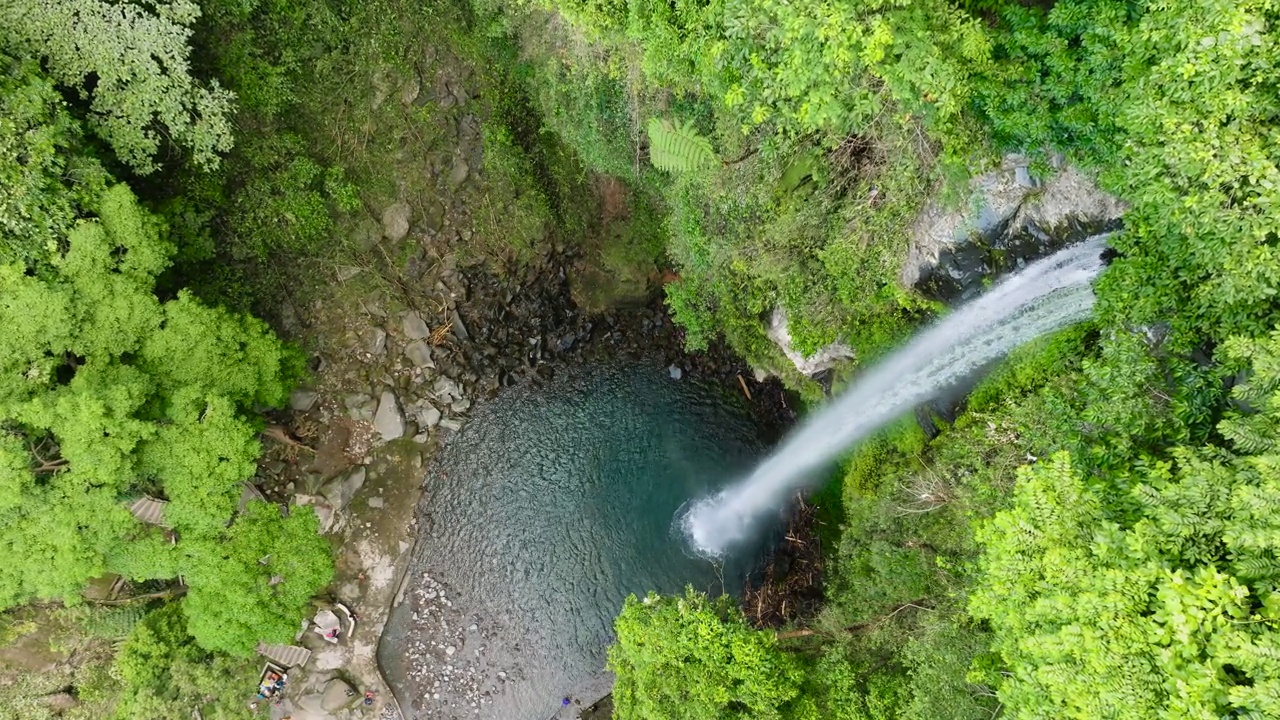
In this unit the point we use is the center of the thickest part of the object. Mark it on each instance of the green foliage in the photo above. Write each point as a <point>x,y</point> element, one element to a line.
<point>107,392</point>
<point>1200,167</point>
<point>1128,579</point>
<point>1031,367</point>
<point>586,106</point>
<point>1055,80</point>
<point>107,622</point>
<point>47,179</point>
<point>143,91</point>
<point>694,657</point>
<point>811,66</point>
<point>677,147</point>
<point>713,296</point>
<point>846,688</point>
<point>1144,594</point>
<point>950,667</point>
<point>166,675</point>
<point>517,227</point>
<point>254,582</point>
<point>290,199</point>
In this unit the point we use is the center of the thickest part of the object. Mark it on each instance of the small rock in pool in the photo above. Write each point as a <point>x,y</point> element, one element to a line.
<point>676,372</point>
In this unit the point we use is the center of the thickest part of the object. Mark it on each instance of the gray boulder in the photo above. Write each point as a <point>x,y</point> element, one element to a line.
<point>337,695</point>
<point>419,353</point>
<point>395,221</point>
<point>389,419</point>
<point>366,233</point>
<point>303,399</point>
<point>354,400</point>
<point>1011,219</point>
<point>341,489</point>
<point>374,340</point>
<point>429,416</point>
<point>360,407</point>
<point>824,358</point>
<point>415,328</point>
<point>434,216</point>
<point>446,390</point>
<point>324,511</point>
<point>459,172</point>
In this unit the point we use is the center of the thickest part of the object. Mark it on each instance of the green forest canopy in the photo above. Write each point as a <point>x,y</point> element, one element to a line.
<point>108,391</point>
<point>1128,569</point>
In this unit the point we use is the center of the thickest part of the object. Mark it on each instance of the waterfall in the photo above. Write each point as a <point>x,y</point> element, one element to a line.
<point>1045,296</point>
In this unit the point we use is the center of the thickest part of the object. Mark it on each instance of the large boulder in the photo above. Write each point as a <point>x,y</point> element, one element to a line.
<point>374,340</point>
<point>428,416</point>
<point>459,172</point>
<point>1011,219</point>
<point>419,353</point>
<point>360,407</point>
<point>303,399</point>
<point>824,358</point>
<point>323,510</point>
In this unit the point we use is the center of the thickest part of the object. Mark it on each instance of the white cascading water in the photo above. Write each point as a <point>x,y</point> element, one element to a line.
<point>1045,296</point>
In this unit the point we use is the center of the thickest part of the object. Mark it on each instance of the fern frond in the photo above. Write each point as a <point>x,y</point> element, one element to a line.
<point>1256,567</point>
<point>678,148</point>
<point>1250,434</point>
<point>112,623</point>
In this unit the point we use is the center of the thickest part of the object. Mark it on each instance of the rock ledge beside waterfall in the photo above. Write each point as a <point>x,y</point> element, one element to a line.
<point>1012,218</point>
<point>824,358</point>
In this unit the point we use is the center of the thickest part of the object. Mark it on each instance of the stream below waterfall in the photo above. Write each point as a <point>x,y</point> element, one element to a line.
<point>537,520</point>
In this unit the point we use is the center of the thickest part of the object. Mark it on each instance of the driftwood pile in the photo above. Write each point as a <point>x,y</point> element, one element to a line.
<point>789,588</point>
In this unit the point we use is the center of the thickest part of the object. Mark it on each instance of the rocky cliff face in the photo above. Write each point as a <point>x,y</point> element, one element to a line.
<point>1011,219</point>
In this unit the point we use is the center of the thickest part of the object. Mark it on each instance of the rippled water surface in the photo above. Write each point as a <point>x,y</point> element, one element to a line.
<point>540,516</point>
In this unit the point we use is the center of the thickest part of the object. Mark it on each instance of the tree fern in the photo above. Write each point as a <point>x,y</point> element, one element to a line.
<point>1256,567</point>
<point>110,623</point>
<point>1251,434</point>
<point>678,148</point>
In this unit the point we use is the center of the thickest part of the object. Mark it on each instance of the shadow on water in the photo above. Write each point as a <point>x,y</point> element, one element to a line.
<point>538,519</point>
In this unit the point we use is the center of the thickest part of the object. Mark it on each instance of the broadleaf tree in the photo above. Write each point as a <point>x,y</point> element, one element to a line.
<point>696,658</point>
<point>108,393</point>
<point>143,90</point>
<point>1154,594</point>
